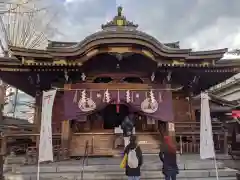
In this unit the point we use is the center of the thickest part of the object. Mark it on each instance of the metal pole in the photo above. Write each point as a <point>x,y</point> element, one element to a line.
<point>216,167</point>
<point>15,103</point>
<point>1,167</point>
<point>2,154</point>
<point>181,145</point>
<point>2,94</point>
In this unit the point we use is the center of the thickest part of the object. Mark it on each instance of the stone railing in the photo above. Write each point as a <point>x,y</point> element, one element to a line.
<point>32,154</point>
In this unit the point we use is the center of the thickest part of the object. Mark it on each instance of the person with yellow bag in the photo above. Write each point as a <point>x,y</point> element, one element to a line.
<point>124,162</point>
<point>132,160</point>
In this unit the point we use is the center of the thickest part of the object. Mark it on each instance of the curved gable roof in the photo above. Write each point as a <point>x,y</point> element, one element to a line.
<point>119,32</point>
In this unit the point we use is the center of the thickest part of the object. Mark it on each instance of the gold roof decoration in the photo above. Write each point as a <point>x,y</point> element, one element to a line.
<point>119,21</point>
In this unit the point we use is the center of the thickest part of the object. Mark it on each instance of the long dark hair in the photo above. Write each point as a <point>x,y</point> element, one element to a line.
<point>170,145</point>
<point>133,141</point>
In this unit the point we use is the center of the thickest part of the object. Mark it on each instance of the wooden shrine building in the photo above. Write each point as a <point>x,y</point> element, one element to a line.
<point>111,73</point>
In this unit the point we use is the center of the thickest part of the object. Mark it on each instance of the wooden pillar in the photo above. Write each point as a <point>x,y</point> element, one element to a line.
<point>66,133</point>
<point>3,138</point>
<point>4,144</point>
<point>171,125</point>
<point>225,142</point>
<point>65,138</point>
<point>3,154</point>
<point>238,175</point>
<point>38,107</point>
<point>191,109</point>
<point>1,167</point>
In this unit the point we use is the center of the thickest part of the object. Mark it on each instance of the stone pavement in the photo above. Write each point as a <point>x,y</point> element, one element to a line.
<point>148,159</point>
<point>234,164</point>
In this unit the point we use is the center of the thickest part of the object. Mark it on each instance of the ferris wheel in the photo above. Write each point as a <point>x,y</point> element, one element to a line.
<point>22,25</point>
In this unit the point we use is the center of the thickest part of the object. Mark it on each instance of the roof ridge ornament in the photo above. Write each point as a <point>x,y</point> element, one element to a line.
<point>119,22</point>
<point>119,9</point>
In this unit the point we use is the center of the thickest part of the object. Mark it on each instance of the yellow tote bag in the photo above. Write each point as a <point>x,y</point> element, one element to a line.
<point>124,162</point>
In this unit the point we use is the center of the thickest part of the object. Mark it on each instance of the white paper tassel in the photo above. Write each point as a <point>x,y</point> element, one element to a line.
<point>107,96</point>
<point>128,99</point>
<point>83,96</point>
<point>152,98</point>
<point>153,76</point>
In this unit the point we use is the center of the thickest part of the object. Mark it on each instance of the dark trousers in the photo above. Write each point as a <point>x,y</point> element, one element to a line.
<point>170,176</point>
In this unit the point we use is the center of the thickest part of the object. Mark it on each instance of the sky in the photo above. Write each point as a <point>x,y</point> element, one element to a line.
<point>197,24</point>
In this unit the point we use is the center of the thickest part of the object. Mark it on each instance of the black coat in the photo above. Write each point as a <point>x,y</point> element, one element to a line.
<point>169,160</point>
<point>134,171</point>
<point>127,126</point>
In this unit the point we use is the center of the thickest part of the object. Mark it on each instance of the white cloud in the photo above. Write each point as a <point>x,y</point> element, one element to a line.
<point>81,1</point>
<point>199,24</point>
<point>195,24</point>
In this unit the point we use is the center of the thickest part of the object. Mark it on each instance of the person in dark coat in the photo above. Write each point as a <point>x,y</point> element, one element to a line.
<point>168,156</point>
<point>127,127</point>
<point>134,173</point>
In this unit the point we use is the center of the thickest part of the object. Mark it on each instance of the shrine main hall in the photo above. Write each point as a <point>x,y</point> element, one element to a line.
<point>110,74</point>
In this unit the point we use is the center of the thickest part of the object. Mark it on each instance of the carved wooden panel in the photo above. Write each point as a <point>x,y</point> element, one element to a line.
<point>81,127</point>
<point>97,124</point>
<point>103,143</point>
<point>181,109</point>
<point>99,144</point>
<point>78,143</point>
<point>57,113</point>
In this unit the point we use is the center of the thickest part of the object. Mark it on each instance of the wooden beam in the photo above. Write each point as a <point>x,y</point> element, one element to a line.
<point>114,86</point>
<point>65,138</point>
<point>3,154</point>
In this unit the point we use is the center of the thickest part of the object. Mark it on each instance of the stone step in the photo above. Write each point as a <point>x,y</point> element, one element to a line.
<point>123,177</point>
<point>184,174</point>
<point>191,167</point>
<point>148,166</point>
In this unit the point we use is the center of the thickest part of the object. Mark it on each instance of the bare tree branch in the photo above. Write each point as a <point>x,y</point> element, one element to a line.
<point>13,8</point>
